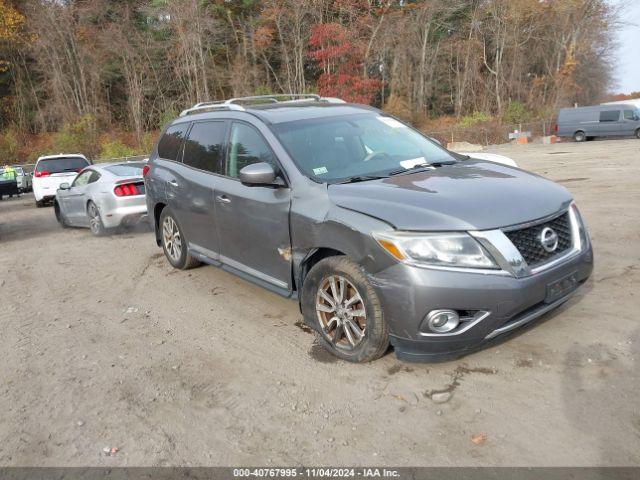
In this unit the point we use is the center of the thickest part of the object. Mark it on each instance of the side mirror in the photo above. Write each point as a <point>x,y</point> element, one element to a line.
<point>258,174</point>
<point>64,186</point>
<point>436,141</point>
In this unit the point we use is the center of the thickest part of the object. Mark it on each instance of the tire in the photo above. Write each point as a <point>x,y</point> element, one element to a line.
<point>579,136</point>
<point>60,216</point>
<point>39,203</point>
<point>174,243</point>
<point>95,220</point>
<point>638,133</point>
<point>337,334</point>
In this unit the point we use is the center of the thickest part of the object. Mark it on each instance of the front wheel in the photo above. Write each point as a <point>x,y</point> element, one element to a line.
<point>62,220</point>
<point>579,136</point>
<point>174,243</point>
<point>344,308</point>
<point>638,133</point>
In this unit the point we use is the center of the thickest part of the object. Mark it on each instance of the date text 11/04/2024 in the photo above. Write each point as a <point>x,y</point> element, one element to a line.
<point>316,472</point>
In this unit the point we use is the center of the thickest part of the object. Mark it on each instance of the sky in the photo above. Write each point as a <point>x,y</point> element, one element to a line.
<point>627,59</point>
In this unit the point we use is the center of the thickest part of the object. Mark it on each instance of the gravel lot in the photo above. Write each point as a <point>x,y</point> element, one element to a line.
<point>105,345</point>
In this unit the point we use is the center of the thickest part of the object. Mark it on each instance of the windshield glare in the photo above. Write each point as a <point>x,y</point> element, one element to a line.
<point>334,149</point>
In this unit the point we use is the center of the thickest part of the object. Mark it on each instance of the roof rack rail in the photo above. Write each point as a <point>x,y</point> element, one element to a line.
<point>237,103</point>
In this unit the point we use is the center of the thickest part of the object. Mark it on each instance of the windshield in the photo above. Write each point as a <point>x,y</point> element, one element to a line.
<point>126,169</point>
<point>334,149</point>
<point>61,164</point>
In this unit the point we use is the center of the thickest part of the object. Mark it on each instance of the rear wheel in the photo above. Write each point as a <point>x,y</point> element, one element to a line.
<point>638,133</point>
<point>339,301</point>
<point>579,136</point>
<point>39,203</point>
<point>174,243</point>
<point>95,221</point>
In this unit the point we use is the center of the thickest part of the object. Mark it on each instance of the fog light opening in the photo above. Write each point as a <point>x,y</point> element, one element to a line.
<point>442,321</point>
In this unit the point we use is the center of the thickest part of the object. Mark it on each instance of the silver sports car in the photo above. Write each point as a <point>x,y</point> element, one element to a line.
<point>103,197</point>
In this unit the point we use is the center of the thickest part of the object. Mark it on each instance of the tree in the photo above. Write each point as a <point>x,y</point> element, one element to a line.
<point>340,57</point>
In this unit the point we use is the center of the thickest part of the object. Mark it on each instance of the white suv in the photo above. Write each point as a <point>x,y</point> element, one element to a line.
<point>53,170</point>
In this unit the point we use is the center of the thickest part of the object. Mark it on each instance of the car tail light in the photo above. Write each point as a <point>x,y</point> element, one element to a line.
<point>145,170</point>
<point>43,173</point>
<point>127,190</point>
<point>555,128</point>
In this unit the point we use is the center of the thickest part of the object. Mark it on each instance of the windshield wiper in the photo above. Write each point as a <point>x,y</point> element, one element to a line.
<point>422,167</point>
<point>363,178</point>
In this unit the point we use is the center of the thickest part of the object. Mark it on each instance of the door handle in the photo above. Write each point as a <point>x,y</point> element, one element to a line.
<point>223,199</point>
<point>173,183</point>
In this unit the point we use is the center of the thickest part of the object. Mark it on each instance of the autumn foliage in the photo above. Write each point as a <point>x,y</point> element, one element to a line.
<point>133,65</point>
<point>340,57</point>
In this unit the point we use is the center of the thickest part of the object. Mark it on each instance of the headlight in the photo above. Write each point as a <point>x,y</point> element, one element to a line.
<point>436,249</point>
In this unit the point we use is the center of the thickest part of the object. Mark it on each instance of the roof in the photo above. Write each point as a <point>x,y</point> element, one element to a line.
<point>599,108</point>
<point>274,113</point>
<point>103,165</point>
<point>62,155</point>
<point>635,102</point>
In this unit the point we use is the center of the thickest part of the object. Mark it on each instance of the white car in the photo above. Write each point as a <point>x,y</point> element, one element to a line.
<point>53,170</point>
<point>493,157</point>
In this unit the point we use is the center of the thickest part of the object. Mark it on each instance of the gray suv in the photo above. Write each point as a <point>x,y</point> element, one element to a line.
<point>382,235</point>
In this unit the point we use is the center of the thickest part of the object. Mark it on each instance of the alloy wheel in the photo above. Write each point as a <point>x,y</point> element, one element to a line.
<point>341,312</point>
<point>171,238</point>
<point>94,219</point>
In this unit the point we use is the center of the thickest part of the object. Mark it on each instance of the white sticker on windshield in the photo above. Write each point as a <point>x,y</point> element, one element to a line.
<point>392,122</point>
<point>320,170</point>
<point>412,162</point>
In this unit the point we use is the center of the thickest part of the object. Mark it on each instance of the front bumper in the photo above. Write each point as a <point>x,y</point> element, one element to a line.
<point>409,293</point>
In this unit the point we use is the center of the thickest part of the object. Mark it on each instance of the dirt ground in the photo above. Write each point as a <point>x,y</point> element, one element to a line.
<point>105,345</point>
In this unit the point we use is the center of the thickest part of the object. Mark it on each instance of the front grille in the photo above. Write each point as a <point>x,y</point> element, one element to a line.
<point>527,240</point>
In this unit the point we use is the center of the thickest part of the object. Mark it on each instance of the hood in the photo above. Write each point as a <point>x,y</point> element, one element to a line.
<point>470,195</point>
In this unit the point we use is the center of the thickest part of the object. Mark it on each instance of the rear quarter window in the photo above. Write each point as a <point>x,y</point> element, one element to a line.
<point>171,142</point>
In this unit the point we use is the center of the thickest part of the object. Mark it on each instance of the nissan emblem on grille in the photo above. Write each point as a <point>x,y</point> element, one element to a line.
<point>540,243</point>
<point>549,239</point>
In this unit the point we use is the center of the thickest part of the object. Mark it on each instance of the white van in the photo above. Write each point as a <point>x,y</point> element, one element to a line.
<point>53,170</point>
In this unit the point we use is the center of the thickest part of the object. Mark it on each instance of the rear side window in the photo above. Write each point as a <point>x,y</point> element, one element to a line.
<point>246,147</point>
<point>61,164</point>
<point>630,115</point>
<point>610,116</point>
<point>203,149</point>
<point>171,142</point>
